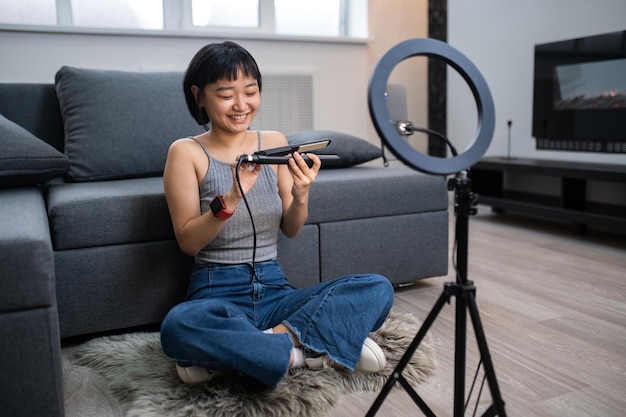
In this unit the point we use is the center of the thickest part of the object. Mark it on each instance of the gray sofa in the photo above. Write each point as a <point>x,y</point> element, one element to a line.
<point>86,243</point>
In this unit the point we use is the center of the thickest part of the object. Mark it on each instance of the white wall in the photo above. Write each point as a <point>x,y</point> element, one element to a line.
<point>339,69</point>
<point>499,37</point>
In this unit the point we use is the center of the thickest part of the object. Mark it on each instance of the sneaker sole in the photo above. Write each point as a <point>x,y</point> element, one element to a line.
<point>192,374</point>
<point>372,358</point>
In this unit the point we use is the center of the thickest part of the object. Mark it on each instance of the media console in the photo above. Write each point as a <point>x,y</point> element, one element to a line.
<point>489,180</point>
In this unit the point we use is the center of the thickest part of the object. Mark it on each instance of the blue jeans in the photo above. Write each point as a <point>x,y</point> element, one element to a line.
<point>220,325</point>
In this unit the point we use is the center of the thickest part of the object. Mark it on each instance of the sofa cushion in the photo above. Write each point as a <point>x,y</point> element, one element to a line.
<point>299,256</point>
<point>373,191</point>
<point>135,210</point>
<point>104,213</point>
<point>119,286</point>
<point>351,149</point>
<point>26,159</point>
<point>120,124</point>
<point>403,248</point>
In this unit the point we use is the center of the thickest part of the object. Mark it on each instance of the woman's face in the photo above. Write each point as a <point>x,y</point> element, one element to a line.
<point>231,104</point>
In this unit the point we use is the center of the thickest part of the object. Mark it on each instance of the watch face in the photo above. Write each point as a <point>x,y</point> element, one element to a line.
<point>219,209</point>
<point>216,205</point>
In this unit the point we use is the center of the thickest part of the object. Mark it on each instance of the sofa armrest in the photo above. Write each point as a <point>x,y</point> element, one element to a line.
<point>31,380</point>
<point>26,258</point>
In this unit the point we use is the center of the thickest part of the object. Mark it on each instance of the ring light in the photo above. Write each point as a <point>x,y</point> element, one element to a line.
<point>386,127</point>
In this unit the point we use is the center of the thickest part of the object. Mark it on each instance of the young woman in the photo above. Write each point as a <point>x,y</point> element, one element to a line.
<point>241,313</point>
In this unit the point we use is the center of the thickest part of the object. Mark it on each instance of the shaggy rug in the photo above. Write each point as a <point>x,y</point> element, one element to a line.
<point>144,381</point>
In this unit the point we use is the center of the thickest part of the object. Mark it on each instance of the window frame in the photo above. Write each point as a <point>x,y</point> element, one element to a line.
<point>177,22</point>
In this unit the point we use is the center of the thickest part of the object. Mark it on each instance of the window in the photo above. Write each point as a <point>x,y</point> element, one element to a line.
<point>319,18</point>
<point>225,13</point>
<point>123,14</point>
<point>28,12</point>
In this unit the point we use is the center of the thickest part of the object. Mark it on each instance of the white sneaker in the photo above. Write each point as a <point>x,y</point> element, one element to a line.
<point>192,374</point>
<point>372,359</point>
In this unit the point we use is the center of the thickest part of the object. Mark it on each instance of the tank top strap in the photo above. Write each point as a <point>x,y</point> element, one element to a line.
<point>203,147</point>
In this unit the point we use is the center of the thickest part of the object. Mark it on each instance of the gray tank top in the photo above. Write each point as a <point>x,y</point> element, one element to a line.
<point>234,244</point>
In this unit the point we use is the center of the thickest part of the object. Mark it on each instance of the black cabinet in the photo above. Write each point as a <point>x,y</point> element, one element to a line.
<point>489,177</point>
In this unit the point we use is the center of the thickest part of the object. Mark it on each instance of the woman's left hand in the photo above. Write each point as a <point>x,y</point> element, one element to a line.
<point>303,176</point>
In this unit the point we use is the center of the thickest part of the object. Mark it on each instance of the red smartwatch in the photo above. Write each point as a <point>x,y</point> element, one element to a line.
<point>219,208</point>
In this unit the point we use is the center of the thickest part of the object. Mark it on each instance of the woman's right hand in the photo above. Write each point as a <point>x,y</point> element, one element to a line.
<point>248,174</point>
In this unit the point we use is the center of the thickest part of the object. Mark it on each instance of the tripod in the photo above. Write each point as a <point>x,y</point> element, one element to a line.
<point>465,292</point>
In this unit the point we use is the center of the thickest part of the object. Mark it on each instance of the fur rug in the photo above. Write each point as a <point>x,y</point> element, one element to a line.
<point>144,381</point>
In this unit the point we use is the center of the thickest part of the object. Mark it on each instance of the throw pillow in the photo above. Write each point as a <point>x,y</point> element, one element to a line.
<point>351,149</point>
<point>25,159</point>
<point>119,124</point>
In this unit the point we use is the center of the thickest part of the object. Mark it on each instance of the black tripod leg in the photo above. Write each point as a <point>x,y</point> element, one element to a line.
<point>460,338</point>
<point>490,373</point>
<point>397,372</point>
<point>415,397</point>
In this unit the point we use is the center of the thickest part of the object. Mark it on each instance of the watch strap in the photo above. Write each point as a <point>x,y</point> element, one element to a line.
<point>218,207</point>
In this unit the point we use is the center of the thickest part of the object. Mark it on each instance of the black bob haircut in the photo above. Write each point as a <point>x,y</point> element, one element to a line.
<point>214,62</point>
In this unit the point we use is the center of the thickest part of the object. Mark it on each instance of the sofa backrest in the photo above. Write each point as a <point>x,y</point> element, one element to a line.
<point>110,124</point>
<point>34,107</point>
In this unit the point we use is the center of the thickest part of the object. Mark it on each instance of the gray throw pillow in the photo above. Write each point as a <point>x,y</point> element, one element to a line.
<point>351,149</point>
<point>119,124</point>
<point>25,159</point>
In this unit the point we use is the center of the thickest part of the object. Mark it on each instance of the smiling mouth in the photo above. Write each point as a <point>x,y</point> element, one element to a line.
<point>238,116</point>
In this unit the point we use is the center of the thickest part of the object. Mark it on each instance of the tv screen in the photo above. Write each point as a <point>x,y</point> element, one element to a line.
<point>593,85</point>
<point>579,101</point>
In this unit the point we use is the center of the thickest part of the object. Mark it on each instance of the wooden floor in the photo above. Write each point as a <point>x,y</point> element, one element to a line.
<point>553,307</point>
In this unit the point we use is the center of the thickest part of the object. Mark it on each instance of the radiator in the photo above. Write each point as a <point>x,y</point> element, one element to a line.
<point>286,104</point>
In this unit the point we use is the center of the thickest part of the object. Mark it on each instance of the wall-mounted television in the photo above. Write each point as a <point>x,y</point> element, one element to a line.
<point>579,94</point>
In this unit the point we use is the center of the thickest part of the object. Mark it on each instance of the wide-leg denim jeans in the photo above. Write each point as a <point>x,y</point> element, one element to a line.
<point>220,325</point>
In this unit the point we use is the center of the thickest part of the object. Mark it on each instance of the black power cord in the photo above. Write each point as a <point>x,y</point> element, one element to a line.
<point>245,200</point>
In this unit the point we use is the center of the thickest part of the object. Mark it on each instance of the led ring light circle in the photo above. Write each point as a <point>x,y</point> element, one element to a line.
<point>386,127</point>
